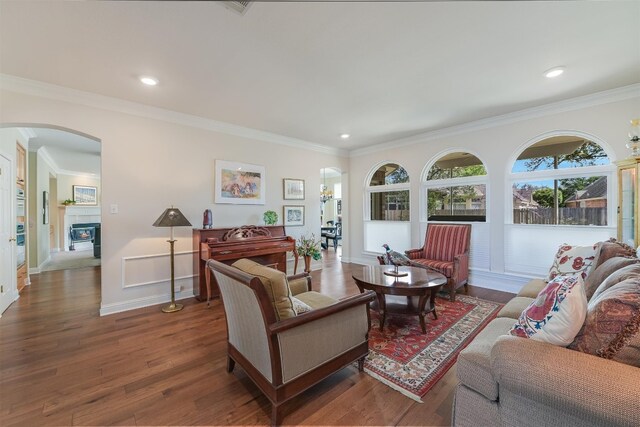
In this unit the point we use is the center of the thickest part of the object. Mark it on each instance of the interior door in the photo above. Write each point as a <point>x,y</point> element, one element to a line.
<point>7,235</point>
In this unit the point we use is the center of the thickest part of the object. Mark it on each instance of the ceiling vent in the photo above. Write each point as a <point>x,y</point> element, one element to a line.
<point>237,6</point>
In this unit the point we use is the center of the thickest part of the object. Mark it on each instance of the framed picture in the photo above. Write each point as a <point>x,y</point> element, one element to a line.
<point>339,207</point>
<point>293,215</point>
<point>239,183</point>
<point>85,196</point>
<point>45,207</point>
<point>293,189</point>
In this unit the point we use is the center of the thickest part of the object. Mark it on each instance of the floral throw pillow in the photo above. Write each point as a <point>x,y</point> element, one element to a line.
<point>557,313</point>
<point>300,307</point>
<point>571,260</point>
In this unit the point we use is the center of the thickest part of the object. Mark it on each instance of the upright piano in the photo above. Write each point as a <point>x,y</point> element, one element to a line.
<point>266,245</point>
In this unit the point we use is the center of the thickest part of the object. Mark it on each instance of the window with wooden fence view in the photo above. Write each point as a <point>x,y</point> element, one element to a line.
<point>388,201</point>
<point>567,199</point>
<point>456,189</point>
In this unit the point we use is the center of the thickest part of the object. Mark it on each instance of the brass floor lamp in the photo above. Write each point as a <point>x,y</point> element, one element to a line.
<point>172,217</point>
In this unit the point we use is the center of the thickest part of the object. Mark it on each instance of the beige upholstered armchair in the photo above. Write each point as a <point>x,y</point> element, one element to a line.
<point>285,336</point>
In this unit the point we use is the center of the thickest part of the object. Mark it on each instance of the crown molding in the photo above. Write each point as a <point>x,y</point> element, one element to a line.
<point>61,93</point>
<point>598,98</point>
<point>27,133</point>
<point>44,153</point>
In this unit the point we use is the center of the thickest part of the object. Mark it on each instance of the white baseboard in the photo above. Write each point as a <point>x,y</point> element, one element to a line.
<point>118,307</point>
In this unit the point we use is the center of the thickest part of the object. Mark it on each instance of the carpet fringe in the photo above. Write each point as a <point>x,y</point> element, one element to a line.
<point>393,386</point>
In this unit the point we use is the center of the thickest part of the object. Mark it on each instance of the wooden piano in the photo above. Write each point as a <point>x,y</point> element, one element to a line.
<point>266,245</point>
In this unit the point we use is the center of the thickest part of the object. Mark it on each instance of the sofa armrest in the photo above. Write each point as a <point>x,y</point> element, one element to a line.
<point>599,390</point>
<point>415,253</point>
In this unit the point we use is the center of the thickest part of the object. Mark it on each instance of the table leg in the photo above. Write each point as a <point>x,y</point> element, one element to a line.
<point>432,302</point>
<point>421,312</point>
<point>382,308</point>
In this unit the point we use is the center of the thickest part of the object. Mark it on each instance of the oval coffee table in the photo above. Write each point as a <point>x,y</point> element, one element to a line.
<point>418,282</point>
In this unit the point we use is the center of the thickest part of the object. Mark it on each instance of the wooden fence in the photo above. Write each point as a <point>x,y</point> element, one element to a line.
<point>566,216</point>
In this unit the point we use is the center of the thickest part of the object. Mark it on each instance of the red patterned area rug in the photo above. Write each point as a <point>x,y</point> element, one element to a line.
<point>411,362</point>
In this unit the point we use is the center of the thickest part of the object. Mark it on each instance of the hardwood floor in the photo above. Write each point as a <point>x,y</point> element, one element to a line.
<point>63,364</point>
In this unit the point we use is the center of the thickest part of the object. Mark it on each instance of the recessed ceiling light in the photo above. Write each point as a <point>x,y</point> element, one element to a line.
<point>345,135</point>
<point>149,81</point>
<point>554,72</point>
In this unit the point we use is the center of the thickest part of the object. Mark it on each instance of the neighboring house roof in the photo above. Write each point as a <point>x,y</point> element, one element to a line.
<point>524,195</point>
<point>596,190</point>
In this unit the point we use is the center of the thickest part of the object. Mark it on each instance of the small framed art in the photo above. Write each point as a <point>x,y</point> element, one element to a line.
<point>293,215</point>
<point>293,189</point>
<point>84,195</point>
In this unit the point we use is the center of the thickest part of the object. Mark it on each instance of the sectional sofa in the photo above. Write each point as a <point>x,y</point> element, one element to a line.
<point>594,381</point>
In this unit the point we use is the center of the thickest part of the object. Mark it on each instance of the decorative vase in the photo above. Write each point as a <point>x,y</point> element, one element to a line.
<point>307,263</point>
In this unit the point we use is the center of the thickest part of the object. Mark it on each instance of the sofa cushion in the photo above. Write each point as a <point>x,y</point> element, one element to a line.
<point>572,259</point>
<point>533,288</point>
<point>617,276</point>
<point>612,327</point>
<point>275,283</point>
<point>514,308</point>
<point>612,248</point>
<point>443,267</point>
<point>603,271</point>
<point>557,314</point>
<point>474,362</point>
<point>315,299</point>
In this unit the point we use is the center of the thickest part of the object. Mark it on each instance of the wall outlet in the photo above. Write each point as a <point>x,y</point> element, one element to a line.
<point>113,209</point>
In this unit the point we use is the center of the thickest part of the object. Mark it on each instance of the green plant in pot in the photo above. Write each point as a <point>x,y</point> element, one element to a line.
<point>270,218</point>
<point>69,202</point>
<point>308,247</point>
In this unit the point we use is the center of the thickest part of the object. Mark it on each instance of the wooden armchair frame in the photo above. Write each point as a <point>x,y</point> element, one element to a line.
<point>274,334</point>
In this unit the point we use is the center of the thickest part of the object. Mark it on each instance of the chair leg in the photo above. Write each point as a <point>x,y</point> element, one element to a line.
<point>452,294</point>
<point>361,364</point>
<point>230,364</point>
<point>276,415</point>
<point>335,245</point>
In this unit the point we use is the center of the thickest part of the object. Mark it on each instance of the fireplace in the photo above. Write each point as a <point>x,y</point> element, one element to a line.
<point>87,216</point>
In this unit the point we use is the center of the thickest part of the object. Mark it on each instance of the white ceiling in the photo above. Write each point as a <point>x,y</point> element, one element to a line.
<point>312,70</point>
<point>68,152</point>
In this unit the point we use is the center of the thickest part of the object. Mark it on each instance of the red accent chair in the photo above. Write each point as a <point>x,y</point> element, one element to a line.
<point>446,249</point>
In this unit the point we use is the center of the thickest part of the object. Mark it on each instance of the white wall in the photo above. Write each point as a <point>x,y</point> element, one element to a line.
<point>39,237</point>
<point>495,145</point>
<point>148,165</point>
<point>66,183</point>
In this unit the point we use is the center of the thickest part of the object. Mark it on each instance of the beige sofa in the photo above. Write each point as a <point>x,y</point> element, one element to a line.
<point>513,381</point>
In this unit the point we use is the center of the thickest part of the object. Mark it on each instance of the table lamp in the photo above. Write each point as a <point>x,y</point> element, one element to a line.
<point>172,217</point>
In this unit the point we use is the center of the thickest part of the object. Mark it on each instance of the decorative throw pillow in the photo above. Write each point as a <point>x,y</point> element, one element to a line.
<point>612,326</point>
<point>557,313</point>
<point>299,306</point>
<point>612,248</point>
<point>623,273</point>
<point>571,260</point>
<point>604,270</point>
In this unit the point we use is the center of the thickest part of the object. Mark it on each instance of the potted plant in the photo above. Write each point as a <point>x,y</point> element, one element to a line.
<point>69,202</point>
<point>308,247</point>
<point>270,218</point>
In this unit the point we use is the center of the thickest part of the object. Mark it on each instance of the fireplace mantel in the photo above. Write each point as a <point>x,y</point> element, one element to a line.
<point>78,214</point>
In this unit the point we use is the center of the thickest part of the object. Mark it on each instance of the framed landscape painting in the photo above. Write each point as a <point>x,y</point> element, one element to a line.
<point>84,195</point>
<point>293,189</point>
<point>239,183</point>
<point>293,215</point>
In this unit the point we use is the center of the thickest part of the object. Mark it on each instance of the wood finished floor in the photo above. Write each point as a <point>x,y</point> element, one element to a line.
<point>63,364</point>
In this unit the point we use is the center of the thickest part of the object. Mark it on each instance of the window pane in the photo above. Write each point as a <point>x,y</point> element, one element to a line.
<point>390,206</point>
<point>575,201</point>
<point>456,165</point>
<point>457,203</point>
<point>390,173</point>
<point>560,152</point>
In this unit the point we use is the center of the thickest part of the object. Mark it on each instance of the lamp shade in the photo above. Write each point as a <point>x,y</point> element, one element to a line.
<point>172,217</point>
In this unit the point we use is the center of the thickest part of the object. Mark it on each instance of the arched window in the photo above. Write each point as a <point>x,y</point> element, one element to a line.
<point>456,188</point>
<point>387,208</point>
<point>389,193</point>
<point>561,180</point>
